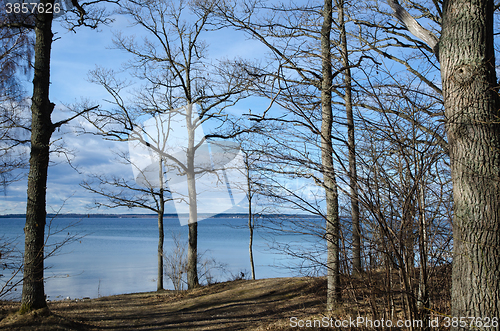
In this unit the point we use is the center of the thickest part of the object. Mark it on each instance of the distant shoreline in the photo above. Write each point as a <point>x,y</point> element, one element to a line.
<point>155,215</point>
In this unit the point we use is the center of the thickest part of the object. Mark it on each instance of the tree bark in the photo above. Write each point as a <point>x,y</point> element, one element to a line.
<point>250,216</point>
<point>330,182</point>
<point>192,267</point>
<point>351,142</point>
<point>471,108</point>
<point>192,264</point>
<point>161,238</point>
<point>414,27</point>
<point>422,294</point>
<point>250,245</point>
<point>161,233</point>
<point>33,296</point>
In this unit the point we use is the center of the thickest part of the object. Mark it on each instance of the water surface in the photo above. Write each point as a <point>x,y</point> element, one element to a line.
<point>119,255</point>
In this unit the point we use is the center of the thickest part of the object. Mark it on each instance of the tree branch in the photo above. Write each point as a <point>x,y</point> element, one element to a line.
<point>58,124</point>
<point>414,27</point>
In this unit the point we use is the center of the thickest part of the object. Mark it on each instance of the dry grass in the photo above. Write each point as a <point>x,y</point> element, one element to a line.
<point>237,305</point>
<point>266,304</point>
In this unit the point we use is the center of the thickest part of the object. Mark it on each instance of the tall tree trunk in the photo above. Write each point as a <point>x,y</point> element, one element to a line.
<point>250,245</point>
<point>161,232</point>
<point>351,142</point>
<point>250,216</point>
<point>423,294</point>
<point>161,239</point>
<point>192,264</point>
<point>33,296</point>
<point>468,75</point>
<point>332,208</point>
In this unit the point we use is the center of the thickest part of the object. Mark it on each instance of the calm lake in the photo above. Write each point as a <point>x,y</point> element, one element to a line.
<point>119,255</point>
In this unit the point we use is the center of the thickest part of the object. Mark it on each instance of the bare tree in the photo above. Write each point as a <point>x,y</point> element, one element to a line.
<point>467,57</point>
<point>14,136</point>
<point>405,192</point>
<point>329,176</point>
<point>15,59</point>
<point>42,128</point>
<point>11,257</point>
<point>351,140</point>
<point>301,78</point>
<point>176,263</point>
<point>390,48</point>
<point>152,195</point>
<point>10,266</point>
<point>253,187</point>
<point>251,215</point>
<point>172,61</point>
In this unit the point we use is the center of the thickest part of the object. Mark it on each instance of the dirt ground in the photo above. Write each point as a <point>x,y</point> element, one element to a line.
<point>236,305</point>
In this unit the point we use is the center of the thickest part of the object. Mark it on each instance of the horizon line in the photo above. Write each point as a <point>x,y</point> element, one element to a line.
<point>168,215</point>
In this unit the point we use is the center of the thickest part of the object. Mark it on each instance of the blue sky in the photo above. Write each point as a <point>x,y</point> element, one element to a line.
<point>73,56</point>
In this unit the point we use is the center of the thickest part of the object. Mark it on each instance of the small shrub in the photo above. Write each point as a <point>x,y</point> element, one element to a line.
<point>175,266</point>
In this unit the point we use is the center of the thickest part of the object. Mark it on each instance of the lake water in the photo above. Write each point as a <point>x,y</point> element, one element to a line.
<point>119,255</point>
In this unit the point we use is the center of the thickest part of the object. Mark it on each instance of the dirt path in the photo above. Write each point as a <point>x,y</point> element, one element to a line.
<point>237,305</point>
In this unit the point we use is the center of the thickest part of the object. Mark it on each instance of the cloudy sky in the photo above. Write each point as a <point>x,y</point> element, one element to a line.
<point>73,56</point>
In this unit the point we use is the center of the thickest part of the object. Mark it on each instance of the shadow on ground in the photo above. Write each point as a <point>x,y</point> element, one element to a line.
<point>236,305</point>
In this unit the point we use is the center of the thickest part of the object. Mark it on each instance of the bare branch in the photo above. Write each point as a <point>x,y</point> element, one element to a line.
<point>414,27</point>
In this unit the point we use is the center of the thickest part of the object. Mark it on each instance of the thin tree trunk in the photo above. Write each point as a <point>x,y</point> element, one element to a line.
<point>250,217</point>
<point>471,108</point>
<point>33,296</point>
<point>192,264</point>
<point>250,228</point>
<point>192,267</point>
<point>161,233</point>
<point>332,217</point>
<point>250,246</point>
<point>351,142</point>
<point>423,295</point>
<point>161,238</point>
